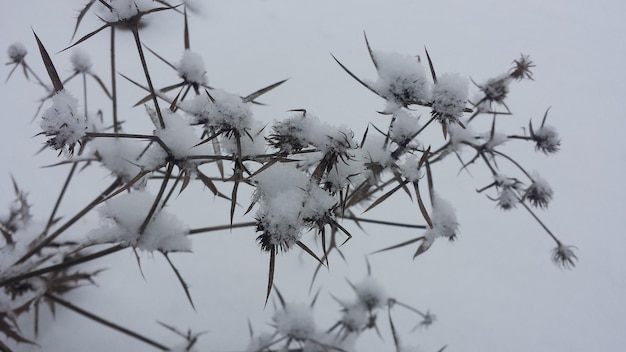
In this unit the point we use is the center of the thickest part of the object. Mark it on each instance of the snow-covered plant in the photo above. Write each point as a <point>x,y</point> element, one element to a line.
<point>306,179</point>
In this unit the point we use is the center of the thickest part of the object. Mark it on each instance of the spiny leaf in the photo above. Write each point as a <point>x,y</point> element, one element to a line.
<point>354,76</point>
<point>52,72</point>
<point>258,93</point>
<point>420,202</point>
<point>87,36</point>
<point>309,251</point>
<point>270,275</point>
<point>399,245</point>
<point>369,49</point>
<point>430,64</point>
<point>386,195</point>
<point>81,14</point>
<point>180,279</point>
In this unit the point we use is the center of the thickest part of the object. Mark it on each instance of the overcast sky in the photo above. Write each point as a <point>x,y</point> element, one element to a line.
<point>494,289</point>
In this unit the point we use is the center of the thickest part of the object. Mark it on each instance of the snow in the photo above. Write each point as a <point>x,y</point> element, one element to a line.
<point>404,126</point>
<point>191,68</point>
<point>120,156</point>
<point>539,193</point>
<point>443,217</point>
<point>81,61</point>
<point>401,78</point>
<point>547,139</point>
<point>355,317</point>
<point>180,137</point>
<point>410,168</point>
<point>63,121</point>
<point>449,97</point>
<point>17,51</point>
<point>370,293</point>
<point>295,320</point>
<point>123,217</point>
<point>305,128</point>
<point>123,9</point>
<point>508,189</point>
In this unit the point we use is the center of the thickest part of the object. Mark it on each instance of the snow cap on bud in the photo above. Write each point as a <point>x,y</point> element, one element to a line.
<point>63,122</point>
<point>295,320</point>
<point>81,61</point>
<point>17,51</point>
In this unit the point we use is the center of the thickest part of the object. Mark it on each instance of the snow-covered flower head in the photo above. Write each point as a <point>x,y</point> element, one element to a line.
<point>401,78</point>
<point>404,127</point>
<point>191,68</point>
<point>370,293</point>
<point>228,112</point>
<point>17,51</point>
<point>539,193</point>
<point>444,220</point>
<point>295,320</point>
<point>508,189</point>
<point>546,138</point>
<point>494,90</point>
<point>63,122</point>
<point>123,10</point>
<point>449,98</point>
<point>81,61</point>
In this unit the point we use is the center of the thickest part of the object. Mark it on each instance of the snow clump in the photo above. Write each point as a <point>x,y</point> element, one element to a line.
<point>17,51</point>
<point>81,61</point>
<point>124,216</point>
<point>450,94</point>
<point>401,78</point>
<point>191,68</point>
<point>63,122</point>
<point>295,320</point>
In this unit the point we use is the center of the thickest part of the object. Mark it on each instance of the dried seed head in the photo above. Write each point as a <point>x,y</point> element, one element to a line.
<point>564,257</point>
<point>522,67</point>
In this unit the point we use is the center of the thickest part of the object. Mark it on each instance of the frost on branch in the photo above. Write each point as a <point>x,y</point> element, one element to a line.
<point>63,122</point>
<point>123,217</point>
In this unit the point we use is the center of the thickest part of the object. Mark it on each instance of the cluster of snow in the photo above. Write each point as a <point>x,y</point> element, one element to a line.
<point>508,189</point>
<point>81,62</point>
<point>459,136</point>
<point>123,217</point>
<point>370,293</point>
<point>295,320</point>
<point>410,168</point>
<point>119,155</point>
<point>289,202</point>
<point>191,68</point>
<point>349,171</point>
<point>401,78</point>
<point>180,137</point>
<point>122,10</point>
<point>305,129</point>
<point>376,152</point>
<point>63,121</point>
<point>547,139</point>
<point>443,217</point>
<point>17,51</point>
<point>404,127</point>
<point>494,90</point>
<point>449,97</point>
<point>539,193</point>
